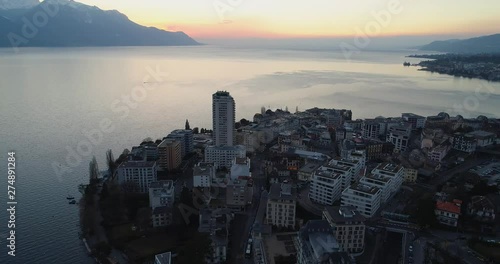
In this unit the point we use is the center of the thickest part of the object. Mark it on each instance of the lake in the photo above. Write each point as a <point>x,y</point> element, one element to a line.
<point>54,101</point>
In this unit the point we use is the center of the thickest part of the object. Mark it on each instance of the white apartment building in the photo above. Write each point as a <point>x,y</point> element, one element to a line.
<point>240,167</point>
<point>399,135</point>
<point>325,186</point>
<point>223,118</point>
<point>161,193</point>
<point>438,153</point>
<point>365,198</point>
<point>384,183</point>
<point>358,155</point>
<point>281,206</point>
<point>464,142</point>
<point>239,194</point>
<point>139,173</point>
<point>396,172</point>
<point>350,169</point>
<point>203,173</point>
<point>223,156</point>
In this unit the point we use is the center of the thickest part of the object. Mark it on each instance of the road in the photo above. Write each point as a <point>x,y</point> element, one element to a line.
<point>243,222</point>
<point>307,204</point>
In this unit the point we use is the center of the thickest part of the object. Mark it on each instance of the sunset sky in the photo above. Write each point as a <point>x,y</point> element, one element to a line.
<point>313,18</point>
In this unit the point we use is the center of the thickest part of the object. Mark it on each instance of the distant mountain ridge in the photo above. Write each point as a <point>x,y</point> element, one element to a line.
<point>17,4</point>
<point>71,24</point>
<point>484,44</point>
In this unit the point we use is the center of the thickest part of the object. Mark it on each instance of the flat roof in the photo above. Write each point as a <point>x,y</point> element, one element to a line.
<point>378,177</point>
<point>276,192</point>
<point>390,167</point>
<point>365,188</point>
<point>137,164</point>
<point>411,115</point>
<point>167,142</point>
<point>167,184</point>
<point>310,167</point>
<point>329,174</point>
<point>481,134</point>
<point>343,214</point>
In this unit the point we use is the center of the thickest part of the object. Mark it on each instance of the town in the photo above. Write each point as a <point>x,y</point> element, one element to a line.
<point>479,66</point>
<point>312,186</point>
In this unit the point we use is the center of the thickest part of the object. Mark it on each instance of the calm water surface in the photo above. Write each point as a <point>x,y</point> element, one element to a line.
<point>51,98</point>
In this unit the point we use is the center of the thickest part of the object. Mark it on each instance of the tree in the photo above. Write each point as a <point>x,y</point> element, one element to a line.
<point>196,131</point>
<point>425,212</point>
<point>110,159</point>
<point>93,171</point>
<point>482,188</point>
<point>244,122</point>
<point>187,125</point>
<point>202,131</point>
<point>195,250</point>
<point>147,140</point>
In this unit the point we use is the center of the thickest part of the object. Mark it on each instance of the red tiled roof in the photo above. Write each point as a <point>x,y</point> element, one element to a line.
<point>448,207</point>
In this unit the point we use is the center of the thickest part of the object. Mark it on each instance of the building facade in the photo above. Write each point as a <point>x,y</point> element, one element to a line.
<point>223,118</point>
<point>185,137</point>
<point>325,186</point>
<point>348,228</point>
<point>464,142</point>
<point>169,154</point>
<point>223,156</point>
<point>366,199</point>
<point>203,173</point>
<point>448,213</point>
<point>139,173</point>
<point>281,206</point>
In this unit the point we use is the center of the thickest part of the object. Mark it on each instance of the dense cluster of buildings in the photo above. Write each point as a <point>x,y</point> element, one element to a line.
<point>353,169</point>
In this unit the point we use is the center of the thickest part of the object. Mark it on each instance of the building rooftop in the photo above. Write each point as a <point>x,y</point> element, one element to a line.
<point>234,148</point>
<point>343,214</point>
<point>281,192</point>
<point>411,115</point>
<point>390,167</point>
<point>168,184</point>
<point>327,173</point>
<point>137,164</point>
<point>222,93</point>
<point>481,203</point>
<point>310,167</point>
<point>364,188</point>
<point>318,240</point>
<point>168,142</point>
<point>481,134</point>
<point>378,177</point>
<point>338,167</point>
<point>449,206</point>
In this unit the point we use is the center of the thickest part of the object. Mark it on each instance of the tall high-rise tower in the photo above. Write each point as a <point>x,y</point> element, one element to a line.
<point>223,118</point>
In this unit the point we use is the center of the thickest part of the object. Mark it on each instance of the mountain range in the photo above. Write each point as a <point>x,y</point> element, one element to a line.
<point>66,23</point>
<point>484,44</point>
